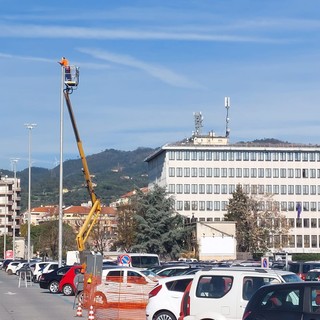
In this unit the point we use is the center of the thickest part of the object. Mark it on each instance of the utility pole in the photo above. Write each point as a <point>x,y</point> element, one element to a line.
<point>15,186</point>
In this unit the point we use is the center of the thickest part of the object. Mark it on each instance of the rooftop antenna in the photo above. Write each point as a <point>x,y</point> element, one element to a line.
<point>197,123</point>
<point>227,106</point>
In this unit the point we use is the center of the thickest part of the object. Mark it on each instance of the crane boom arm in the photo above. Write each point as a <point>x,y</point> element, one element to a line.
<point>93,215</point>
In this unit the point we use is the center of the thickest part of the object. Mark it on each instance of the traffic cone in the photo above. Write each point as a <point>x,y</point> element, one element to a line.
<point>91,314</point>
<point>79,310</point>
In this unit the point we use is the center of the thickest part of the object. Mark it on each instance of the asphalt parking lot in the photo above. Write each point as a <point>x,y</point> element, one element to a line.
<point>32,302</point>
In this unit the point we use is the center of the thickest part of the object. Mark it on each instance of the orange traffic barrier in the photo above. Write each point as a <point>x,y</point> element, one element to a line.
<point>79,310</point>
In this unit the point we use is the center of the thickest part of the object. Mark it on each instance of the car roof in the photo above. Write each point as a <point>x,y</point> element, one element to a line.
<point>174,278</point>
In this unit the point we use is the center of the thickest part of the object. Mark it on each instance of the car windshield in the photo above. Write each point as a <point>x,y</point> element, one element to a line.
<point>291,278</point>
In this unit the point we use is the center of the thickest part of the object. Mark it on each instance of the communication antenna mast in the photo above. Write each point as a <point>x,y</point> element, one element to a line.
<point>227,106</point>
<point>198,123</point>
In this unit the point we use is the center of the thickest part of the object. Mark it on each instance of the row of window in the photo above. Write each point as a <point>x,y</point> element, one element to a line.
<point>295,241</point>
<point>190,205</point>
<point>268,189</point>
<point>244,155</point>
<point>194,172</point>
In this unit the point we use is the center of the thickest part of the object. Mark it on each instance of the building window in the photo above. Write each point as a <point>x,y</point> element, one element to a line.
<point>304,156</point>
<point>254,189</point>
<point>202,205</point>
<point>283,206</point>
<point>312,156</point>
<point>238,156</point>
<point>194,172</point>
<point>313,206</point>
<point>179,155</point>
<point>305,206</point>
<point>179,172</point>
<point>171,155</point>
<point>298,189</point>
<point>194,155</point>
<point>202,172</point>
<point>282,156</point>
<point>216,156</point>
<point>209,205</point>
<point>202,155</point>
<point>231,172</point>
<point>275,173</point>
<point>209,156</point>
<point>194,205</point>
<point>291,241</point>
<point>231,156</point>
<point>186,155</point>
<point>253,172</point>
<point>224,172</point>
<point>314,241</point>
<point>179,205</point>
<point>179,188</point>
<point>232,188</point>
<point>290,156</point>
<point>209,172</point>
<point>246,188</point>
<point>268,173</point>
<point>305,189</point>
<point>246,172</point>
<point>224,156</point>
<point>239,172</point>
<point>261,156</point>
<point>202,188</point>
<point>306,241</point>
<point>313,222</point>
<point>268,189</point>
<point>299,241</point>
<point>217,206</point>
<point>216,188</point>
<point>187,188</point>
<point>276,189</point>
<point>282,173</point>
<point>313,173</point>
<point>290,173</point>
<point>224,189</point>
<point>306,223</point>
<point>187,172</point>
<point>313,189</point>
<point>260,172</point>
<point>291,222</point>
<point>209,188</point>
<point>171,188</point>
<point>187,205</point>
<point>261,189</point>
<point>283,189</point>
<point>224,205</point>
<point>194,188</point>
<point>253,156</point>
<point>297,156</point>
<point>246,156</point>
<point>171,172</point>
<point>216,172</point>
<point>298,223</point>
<point>290,189</point>
<point>305,173</point>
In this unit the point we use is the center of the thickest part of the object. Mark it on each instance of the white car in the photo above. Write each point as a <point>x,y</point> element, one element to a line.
<point>165,298</point>
<point>12,267</point>
<point>37,269</point>
<point>48,268</point>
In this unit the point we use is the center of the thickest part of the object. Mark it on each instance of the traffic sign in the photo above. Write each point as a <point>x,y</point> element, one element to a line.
<point>125,260</point>
<point>264,262</point>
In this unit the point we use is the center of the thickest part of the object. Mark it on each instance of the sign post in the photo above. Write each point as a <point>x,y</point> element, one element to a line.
<point>265,262</point>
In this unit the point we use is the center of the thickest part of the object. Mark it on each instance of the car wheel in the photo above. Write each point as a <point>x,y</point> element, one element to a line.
<point>67,290</point>
<point>9,272</point>
<point>164,315</point>
<point>100,300</point>
<point>80,297</point>
<point>54,287</point>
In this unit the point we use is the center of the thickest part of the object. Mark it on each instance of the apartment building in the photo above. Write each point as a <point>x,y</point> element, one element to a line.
<point>9,205</point>
<point>202,172</point>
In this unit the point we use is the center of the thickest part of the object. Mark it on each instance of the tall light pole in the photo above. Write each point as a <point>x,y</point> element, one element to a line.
<point>61,169</point>
<point>29,126</point>
<point>15,186</point>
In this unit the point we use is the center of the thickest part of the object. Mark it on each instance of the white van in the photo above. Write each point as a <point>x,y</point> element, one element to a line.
<point>138,260</point>
<point>223,293</point>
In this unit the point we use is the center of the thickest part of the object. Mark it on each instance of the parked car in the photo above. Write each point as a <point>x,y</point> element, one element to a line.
<point>52,279</point>
<point>36,269</point>
<point>301,268</point>
<point>165,297</point>
<point>67,285</point>
<point>122,286</point>
<point>223,293</point>
<point>12,267</point>
<point>171,271</point>
<point>51,265</point>
<point>293,301</point>
<point>5,264</point>
<point>313,275</point>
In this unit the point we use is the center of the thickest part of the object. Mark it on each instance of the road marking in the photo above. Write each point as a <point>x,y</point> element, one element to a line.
<point>10,293</point>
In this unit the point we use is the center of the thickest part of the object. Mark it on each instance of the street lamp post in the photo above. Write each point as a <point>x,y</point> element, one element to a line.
<point>15,186</point>
<point>29,126</point>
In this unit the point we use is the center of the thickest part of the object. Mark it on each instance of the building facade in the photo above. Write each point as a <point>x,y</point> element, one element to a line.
<point>9,205</point>
<point>202,172</point>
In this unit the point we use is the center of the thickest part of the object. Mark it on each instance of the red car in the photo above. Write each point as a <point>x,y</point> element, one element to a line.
<point>67,284</point>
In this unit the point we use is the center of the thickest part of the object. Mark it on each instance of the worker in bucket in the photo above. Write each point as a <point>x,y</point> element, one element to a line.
<point>65,63</point>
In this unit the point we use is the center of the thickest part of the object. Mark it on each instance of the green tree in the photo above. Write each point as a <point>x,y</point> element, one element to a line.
<point>255,226</point>
<point>158,228</point>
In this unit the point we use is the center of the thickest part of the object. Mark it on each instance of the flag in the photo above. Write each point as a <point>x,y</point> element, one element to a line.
<point>298,207</point>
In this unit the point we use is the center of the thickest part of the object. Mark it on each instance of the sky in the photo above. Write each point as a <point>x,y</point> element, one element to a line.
<point>146,66</point>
